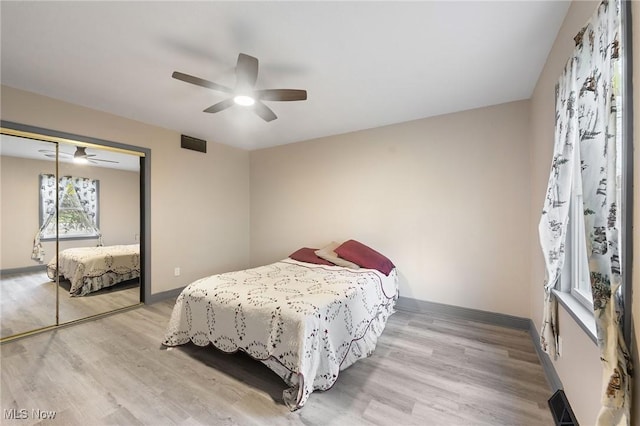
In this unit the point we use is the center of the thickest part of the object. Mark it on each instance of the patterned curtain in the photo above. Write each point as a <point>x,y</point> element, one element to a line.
<point>48,206</point>
<point>85,195</point>
<point>592,120</point>
<point>86,189</point>
<point>555,214</point>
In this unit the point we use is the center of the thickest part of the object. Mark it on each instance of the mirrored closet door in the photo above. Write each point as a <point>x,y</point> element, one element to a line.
<point>71,231</point>
<point>27,297</point>
<point>98,231</point>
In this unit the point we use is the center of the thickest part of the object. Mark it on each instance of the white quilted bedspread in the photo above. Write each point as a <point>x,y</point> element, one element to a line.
<point>306,322</point>
<point>92,268</point>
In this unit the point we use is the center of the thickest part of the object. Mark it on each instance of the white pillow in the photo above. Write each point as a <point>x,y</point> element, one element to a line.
<point>327,253</point>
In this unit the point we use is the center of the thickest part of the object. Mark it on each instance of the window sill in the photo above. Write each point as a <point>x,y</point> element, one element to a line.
<point>579,313</point>
<point>70,238</point>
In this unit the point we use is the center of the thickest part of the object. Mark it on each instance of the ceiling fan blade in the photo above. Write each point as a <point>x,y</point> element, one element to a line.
<point>281,95</point>
<point>246,72</point>
<point>264,111</point>
<point>220,106</point>
<point>51,153</point>
<point>200,82</point>
<point>93,160</point>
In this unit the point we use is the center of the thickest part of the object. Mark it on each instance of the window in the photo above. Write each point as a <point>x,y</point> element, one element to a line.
<point>77,207</point>
<point>575,276</point>
<point>574,292</point>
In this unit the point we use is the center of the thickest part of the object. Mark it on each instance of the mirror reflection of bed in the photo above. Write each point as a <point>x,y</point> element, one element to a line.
<point>107,276</point>
<point>27,294</point>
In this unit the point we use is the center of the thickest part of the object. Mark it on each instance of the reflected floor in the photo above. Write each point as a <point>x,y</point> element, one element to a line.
<point>27,301</point>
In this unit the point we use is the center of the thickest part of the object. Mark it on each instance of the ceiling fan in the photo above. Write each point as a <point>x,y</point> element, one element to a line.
<point>244,92</point>
<point>80,156</point>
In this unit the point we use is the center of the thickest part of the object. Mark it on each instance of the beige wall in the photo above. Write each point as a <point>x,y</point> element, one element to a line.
<point>579,367</point>
<point>119,205</point>
<point>415,191</point>
<point>446,198</point>
<point>199,202</point>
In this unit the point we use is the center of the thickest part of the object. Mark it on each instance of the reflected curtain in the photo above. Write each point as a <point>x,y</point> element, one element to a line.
<point>593,87</point>
<point>48,212</point>
<point>76,192</point>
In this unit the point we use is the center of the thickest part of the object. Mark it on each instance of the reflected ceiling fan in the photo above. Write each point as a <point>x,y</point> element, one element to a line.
<point>244,92</point>
<point>80,156</point>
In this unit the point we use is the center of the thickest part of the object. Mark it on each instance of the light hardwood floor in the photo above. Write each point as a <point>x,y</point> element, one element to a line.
<point>427,370</point>
<point>27,301</point>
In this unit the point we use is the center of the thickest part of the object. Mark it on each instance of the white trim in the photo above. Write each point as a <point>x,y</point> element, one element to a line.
<point>582,297</point>
<point>579,313</point>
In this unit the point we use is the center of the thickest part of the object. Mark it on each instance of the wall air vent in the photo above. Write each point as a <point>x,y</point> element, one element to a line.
<point>561,410</point>
<point>192,143</point>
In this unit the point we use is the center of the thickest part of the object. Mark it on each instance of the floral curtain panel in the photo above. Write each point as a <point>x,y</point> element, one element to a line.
<point>586,98</point>
<point>78,196</point>
<point>555,213</point>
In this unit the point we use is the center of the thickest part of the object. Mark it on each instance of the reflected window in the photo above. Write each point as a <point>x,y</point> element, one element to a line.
<point>78,199</point>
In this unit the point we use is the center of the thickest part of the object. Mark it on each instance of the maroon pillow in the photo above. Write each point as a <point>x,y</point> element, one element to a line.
<point>306,254</point>
<point>366,257</point>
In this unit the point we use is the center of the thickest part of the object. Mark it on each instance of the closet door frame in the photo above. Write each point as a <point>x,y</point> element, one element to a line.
<point>57,137</point>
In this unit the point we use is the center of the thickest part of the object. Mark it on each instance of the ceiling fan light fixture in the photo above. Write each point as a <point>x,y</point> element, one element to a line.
<point>244,93</point>
<point>80,156</point>
<point>244,100</point>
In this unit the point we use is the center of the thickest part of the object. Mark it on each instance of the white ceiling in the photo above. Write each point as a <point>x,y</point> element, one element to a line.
<point>364,64</point>
<point>12,146</point>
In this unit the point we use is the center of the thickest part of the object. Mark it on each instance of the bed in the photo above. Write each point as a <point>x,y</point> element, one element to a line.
<point>305,320</point>
<point>90,269</point>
